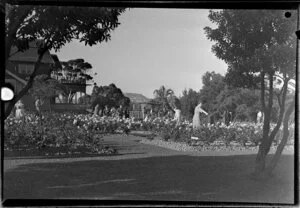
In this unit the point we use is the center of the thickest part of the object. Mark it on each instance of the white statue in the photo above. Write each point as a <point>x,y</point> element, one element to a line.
<point>177,116</point>
<point>19,109</point>
<point>96,110</point>
<point>260,117</point>
<point>196,118</point>
<point>38,104</point>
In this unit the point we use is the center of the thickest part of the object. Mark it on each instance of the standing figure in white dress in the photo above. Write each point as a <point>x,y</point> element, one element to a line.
<point>196,118</point>
<point>19,109</point>
<point>260,117</point>
<point>176,107</point>
<point>38,105</point>
<point>177,116</point>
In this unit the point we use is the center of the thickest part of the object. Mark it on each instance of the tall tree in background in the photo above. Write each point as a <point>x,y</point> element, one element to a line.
<point>73,72</point>
<point>213,84</point>
<point>242,102</point>
<point>259,42</point>
<point>189,100</point>
<point>55,26</point>
<point>164,96</point>
<point>111,92</point>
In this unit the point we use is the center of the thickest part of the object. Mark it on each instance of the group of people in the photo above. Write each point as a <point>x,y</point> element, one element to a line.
<point>176,115</point>
<point>196,121</point>
<point>121,112</point>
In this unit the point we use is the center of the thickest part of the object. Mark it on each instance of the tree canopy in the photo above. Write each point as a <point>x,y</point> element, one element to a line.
<point>256,44</point>
<point>45,88</point>
<point>58,25</point>
<point>213,84</point>
<point>165,97</point>
<point>55,26</point>
<point>251,41</point>
<point>189,100</point>
<point>73,71</point>
<point>112,92</point>
<point>243,103</point>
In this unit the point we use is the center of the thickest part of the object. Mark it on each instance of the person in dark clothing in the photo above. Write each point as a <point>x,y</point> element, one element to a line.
<point>121,111</point>
<point>226,117</point>
<point>127,113</point>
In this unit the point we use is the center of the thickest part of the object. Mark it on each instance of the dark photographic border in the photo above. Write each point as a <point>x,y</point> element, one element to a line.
<point>227,4</point>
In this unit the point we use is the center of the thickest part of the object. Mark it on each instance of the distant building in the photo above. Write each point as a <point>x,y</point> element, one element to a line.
<point>139,103</point>
<point>21,65</point>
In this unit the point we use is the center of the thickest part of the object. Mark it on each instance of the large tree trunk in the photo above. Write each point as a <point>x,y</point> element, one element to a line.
<point>284,139</point>
<point>281,112</point>
<point>264,147</point>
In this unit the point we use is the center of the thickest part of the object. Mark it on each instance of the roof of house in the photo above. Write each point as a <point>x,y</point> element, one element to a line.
<point>137,98</point>
<point>30,55</point>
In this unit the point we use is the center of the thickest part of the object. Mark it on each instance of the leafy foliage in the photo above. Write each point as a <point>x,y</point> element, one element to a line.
<point>73,76</point>
<point>244,103</point>
<point>50,132</point>
<point>73,71</point>
<point>257,42</point>
<point>189,100</point>
<point>253,40</point>
<point>54,26</point>
<point>109,95</point>
<point>71,132</point>
<point>165,97</point>
<point>213,84</point>
<point>85,99</point>
<point>58,25</point>
<point>45,88</point>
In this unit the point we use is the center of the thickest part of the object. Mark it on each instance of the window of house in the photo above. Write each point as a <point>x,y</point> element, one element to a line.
<point>25,68</point>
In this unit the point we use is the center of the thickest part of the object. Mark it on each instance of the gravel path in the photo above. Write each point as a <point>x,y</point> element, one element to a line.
<point>210,150</point>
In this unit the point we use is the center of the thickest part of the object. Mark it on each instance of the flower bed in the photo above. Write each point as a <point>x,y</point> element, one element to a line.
<point>54,133</point>
<point>69,133</point>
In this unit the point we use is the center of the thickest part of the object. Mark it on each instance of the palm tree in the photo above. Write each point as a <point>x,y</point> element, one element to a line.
<point>164,95</point>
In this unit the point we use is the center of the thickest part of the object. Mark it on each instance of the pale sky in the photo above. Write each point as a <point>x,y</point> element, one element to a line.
<point>150,48</point>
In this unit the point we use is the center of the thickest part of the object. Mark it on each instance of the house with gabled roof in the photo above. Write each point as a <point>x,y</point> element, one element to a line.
<point>139,103</point>
<point>20,66</point>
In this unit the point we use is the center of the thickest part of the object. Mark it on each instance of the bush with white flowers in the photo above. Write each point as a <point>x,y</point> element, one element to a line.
<point>70,131</point>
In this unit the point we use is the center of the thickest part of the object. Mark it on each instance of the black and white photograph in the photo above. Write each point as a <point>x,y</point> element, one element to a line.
<point>139,105</point>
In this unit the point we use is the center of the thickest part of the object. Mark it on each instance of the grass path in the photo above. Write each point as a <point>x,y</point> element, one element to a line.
<point>148,172</point>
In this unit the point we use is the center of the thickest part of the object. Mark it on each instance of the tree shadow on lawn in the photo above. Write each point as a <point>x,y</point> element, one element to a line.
<point>172,178</point>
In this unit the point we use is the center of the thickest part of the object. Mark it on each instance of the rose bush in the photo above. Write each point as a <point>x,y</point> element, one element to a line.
<point>70,131</point>
<point>62,132</point>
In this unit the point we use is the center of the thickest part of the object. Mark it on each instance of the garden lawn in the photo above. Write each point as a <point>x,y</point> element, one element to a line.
<point>148,172</point>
